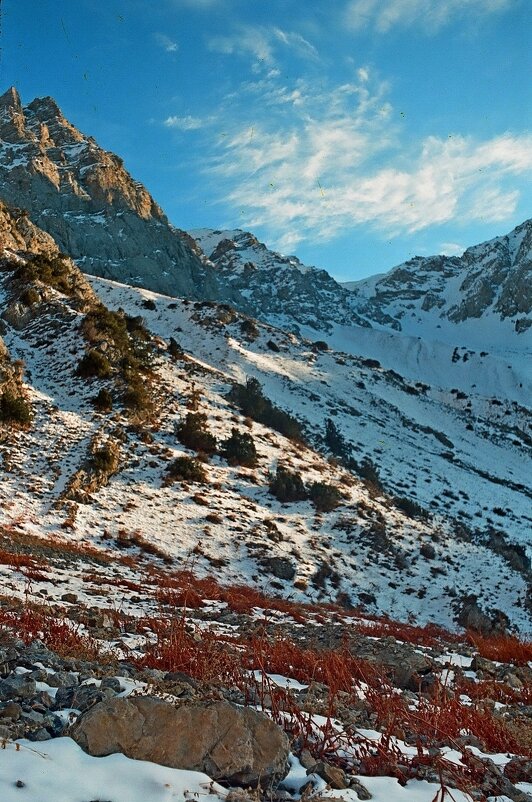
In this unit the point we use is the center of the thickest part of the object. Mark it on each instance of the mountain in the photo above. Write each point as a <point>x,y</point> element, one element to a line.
<point>486,293</point>
<point>84,198</point>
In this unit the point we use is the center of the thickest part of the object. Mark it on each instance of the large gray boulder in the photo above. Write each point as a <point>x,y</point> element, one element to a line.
<point>237,745</point>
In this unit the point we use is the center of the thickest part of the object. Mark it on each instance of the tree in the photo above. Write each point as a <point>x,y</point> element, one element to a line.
<point>239,449</point>
<point>335,441</point>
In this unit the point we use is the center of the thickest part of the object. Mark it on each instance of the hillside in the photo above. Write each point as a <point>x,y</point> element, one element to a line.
<point>418,544</point>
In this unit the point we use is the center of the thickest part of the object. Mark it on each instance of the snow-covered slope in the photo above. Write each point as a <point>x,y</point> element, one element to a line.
<point>460,459</point>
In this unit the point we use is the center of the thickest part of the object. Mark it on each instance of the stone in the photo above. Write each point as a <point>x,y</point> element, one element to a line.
<point>333,775</point>
<point>239,746</point>
<point>81,698</point>
<point>17,687</point>
<point>519,770</point>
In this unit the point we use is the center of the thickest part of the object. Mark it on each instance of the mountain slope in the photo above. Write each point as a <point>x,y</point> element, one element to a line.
<point>101,473</point>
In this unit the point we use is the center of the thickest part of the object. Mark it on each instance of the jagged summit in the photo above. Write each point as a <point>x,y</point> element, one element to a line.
<point>82,195</point>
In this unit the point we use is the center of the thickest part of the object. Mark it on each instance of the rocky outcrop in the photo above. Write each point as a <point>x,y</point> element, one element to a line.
<point>491,279</point>
<point>83,196</point>
<point>239,746</point>
<point>273,287</point>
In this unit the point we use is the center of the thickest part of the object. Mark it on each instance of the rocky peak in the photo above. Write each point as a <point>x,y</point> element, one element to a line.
<point>84,197</point>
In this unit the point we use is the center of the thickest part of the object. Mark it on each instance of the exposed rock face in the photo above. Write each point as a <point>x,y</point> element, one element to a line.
<point>18,233</point>
<point>492,280</point>
<point>278,288</point>
<point>84,198</point>
<point>239,746</point>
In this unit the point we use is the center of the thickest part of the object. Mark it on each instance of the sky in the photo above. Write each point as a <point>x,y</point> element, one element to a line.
<point>352,133</point>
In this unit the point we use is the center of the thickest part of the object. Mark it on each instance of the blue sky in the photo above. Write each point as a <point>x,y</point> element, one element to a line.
<point>353,133</point>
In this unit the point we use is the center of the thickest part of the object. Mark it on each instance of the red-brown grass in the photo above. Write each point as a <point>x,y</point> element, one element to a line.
<point>502,648</point>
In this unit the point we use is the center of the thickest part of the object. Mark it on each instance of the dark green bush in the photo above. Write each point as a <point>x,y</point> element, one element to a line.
<point>251,401</point>
<point>101,322</point>
<point>185,469</point>
<point>239,449</point>
<point>335,441</point>
<point>410,508</point>
<point>249,329</point>
<point>287,485</point>
<point>15,409</point>
<point>93,364</point>
<point>103,401</point>
<point>52,271</point>
<point>136,397</point>
<point>368,470</point>
<point>194,433</point>
<point>325,497</point>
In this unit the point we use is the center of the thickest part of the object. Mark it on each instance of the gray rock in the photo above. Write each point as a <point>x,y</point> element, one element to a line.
<point>239,746</point>
<point>17,687</point>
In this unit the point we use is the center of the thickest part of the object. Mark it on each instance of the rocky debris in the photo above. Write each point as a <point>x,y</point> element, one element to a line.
<point>233,745</point>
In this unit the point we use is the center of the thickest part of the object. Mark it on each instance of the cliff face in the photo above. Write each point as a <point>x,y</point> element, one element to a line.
<point>83,196</point>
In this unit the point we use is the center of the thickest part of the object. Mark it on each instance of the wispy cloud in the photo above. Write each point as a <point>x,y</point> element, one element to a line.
<point>166,43</point>
<point>186,123</point>
<point>261,42</point>
<point>383,15</point>
<point>310,165</point>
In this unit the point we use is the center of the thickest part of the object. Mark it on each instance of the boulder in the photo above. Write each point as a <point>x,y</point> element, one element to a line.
<point>236,745</point>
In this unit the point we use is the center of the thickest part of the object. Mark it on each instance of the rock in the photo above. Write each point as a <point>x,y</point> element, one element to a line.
<point>333,775</point>
<point>237,746</point>
<point>470,616</point>
<point>17,687</point>
<point>360,790</point>
<point>280,567</point>
<point>10,710</point>
<point>81,698</point>
<point>71,598</point>
<point>479,663</point>
<point>519,770</point>
<point>62,679</point>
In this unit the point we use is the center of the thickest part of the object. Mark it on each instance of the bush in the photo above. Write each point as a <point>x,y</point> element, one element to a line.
<point>136,397</point>
<point>335,441</point>
<point>185,469</point>
<point>174,349</point>
<point>251,401</point>
<point>103,401</point>
<point>30,296</point>
<point>249,329</point>
<point>193,432</point>
<point>104,459</point>
<point>54,272</point>
<point>239,449</point>
<point>101,322</point>
<point>287,486</point>
<point>14,409</point>
<point>93,364</point>
<point>325,497</point>
<point>368,470</point>
<point>410,508</point>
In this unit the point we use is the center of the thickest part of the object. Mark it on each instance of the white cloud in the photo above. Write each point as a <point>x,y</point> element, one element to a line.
<point>296,42</point>
<point>383,15</point>
<point>166,43</point>
<point>247,40</point>
<point>309,164</point>
<point>187,123</point>
<point>451,249</point>
<point>261,42</point>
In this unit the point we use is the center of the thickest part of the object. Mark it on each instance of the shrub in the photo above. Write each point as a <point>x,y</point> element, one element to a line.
<point>185,469</point>
<point>325,497</point>
<point>249,329</point>
<point>104,459</point>
<point>335,441</point>
<point>101,322</point>
<point>239,449</point>
<point>410,508</point>
<point>30,296</point>
<point>93,364</point>
<point>103,401</point>
<point>136,397</point>
<point>52,271</point>
<point>174,349</point>
<point>251,401</point>
<point>193,432</point>
<point>368,470</point>
<point>286,485</point>
<point>14,409</point>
